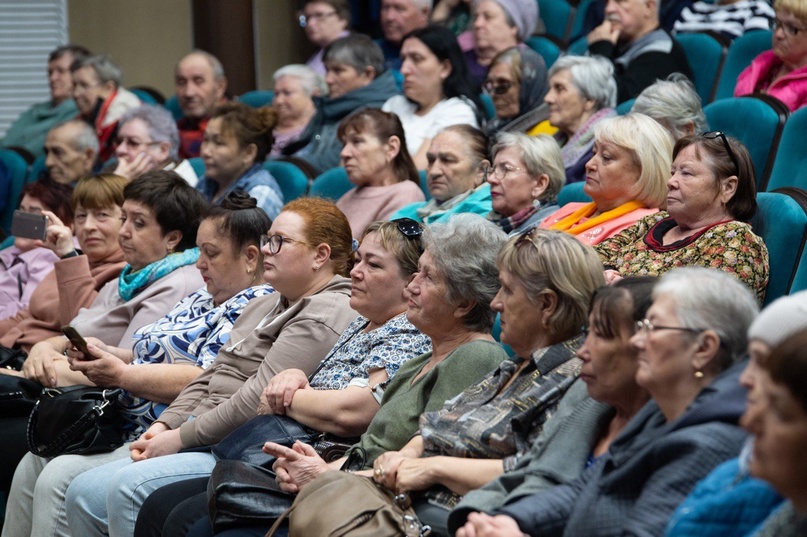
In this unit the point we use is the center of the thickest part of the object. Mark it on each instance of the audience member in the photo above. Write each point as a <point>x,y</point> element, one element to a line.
<point>675,104</point>
<point>295,88</point>
<point>517,83</point>
<point>27,262</point>
<point>453,14</point>
<point>342,397</point>
<point>582,92</point>
<point>730,18</point>
<point>626,179</point>
<point>455,176</point>
<point>781,72</point>
<point>641,51</point>
<point>71,150</point>
<point>307,253</point>
<point>177,347</point>
<point>147,140</point>
<point>356,79</point>
<point>729,501</point>
<point>437,91</point>
<point>399,18</point>
<point>376,161</point>
<point>200,87</point>
<point>668,13</point>
<point>101,99</point>
<point>497,26</point>
<point>525,179</point>
<point>237,140</point>
<point>778,421</point>
<point>29,130</point>
<point>592,413</point>
<point>688,347</point>
<point>711,196</point>
<point>481,433</point>
<point>324,21</point>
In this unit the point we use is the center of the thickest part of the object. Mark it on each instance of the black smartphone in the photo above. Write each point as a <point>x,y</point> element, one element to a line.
<point>29,225</point>
<point>79,342</point>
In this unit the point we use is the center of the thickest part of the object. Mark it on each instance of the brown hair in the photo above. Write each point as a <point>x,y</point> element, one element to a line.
<point>248,125</point>
<point>743,205</point>
<point>382,125</point>
<point>342,8</point>
<point>54,196</point>
<point>406,250</point>
<point>102,191</point>
<point>324,223</point>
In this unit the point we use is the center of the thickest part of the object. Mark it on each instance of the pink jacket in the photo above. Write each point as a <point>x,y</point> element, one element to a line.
<point>791,89</point>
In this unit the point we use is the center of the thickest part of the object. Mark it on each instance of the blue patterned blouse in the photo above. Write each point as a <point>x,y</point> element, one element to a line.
<point>191,333</point>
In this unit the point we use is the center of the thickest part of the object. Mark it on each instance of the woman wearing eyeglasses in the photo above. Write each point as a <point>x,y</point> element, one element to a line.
<point>516,82</point>
<point>324,21</point>
<point>375,159</point>
<point>525,179</point>
<point>710,198</point>
<point>626,179</point>
<point>582,92</point>
<point>437,90</point>
<point>688,348</point>
<point>781,72</point>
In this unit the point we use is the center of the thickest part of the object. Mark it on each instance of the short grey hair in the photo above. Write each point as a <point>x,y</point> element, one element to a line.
<point>104,69</point>
<point>675,104</point>
<point>593,76</point>
<point>161,125</point>
<point>464,251</point>
<point>310,80</point>
<point>428,4</point>
<point>215,64</point>
<point>357,51</point>
<point>85,137</point>
<point>710,299</point>
<point>541,154</point>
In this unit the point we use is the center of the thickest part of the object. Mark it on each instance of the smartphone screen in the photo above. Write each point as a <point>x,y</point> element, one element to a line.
<point>29,225</point>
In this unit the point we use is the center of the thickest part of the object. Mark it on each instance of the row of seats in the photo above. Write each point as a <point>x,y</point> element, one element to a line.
<point>781,221</point>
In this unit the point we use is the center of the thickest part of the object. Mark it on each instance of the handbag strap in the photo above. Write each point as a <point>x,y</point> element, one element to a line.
<point>78,428</point>
<point>279,521</point>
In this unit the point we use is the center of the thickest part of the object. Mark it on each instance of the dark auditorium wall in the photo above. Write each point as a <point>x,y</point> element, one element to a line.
<point>146,37</point>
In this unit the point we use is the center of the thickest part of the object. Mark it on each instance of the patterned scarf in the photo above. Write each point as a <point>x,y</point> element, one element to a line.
<point>509,223</point>
<point>582,141</point>
<point>130,283</point>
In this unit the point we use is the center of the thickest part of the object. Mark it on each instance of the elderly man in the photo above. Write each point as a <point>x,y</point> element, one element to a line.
<point>640,50</point>
<point>398,18</point>
<point>71,149</point>
<point>148,139</point>
<point>30,129</point>
<point>200,86</point>
<point>101,99</point>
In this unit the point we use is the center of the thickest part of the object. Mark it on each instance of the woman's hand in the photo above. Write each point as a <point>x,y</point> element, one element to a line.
<point>142,163</point>
<point>39,364</point>
<point>59,237</point>
<point>484,525</point>
<point>277,395</point>
<point>385,468</point>
<point>295,467</point>
<point>415,474</point>
<point>156,442</point>
<point>101,367</point>
<point>611,276</point>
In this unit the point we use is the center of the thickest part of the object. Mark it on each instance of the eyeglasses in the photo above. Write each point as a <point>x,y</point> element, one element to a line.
<point>645,324</point>
<point>133,143</point>
<point>499,88</point>
<point>500,171</point>
<point>275,242</point>
<point>410,229</point>
<point>305,20</point>
<point>718,134</point>
<point>790,30</point>
<point>82,87</point>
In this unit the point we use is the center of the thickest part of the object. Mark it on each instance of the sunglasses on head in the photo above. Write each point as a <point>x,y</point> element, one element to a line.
<point>718,134</point>
<point>411,229</point>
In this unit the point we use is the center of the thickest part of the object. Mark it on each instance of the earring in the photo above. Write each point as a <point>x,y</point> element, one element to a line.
<point>249,271</point>
<point>699,374</point>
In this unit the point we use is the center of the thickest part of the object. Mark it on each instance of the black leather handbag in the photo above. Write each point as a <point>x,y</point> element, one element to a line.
<point>76,420</point>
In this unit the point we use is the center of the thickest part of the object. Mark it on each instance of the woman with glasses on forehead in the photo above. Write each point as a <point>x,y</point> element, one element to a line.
<point>781,72</point>
<point>516,82</point>
<point>525,179</point>
<point>710,198</point>
<point>324,21</point>
<point>689,349</point>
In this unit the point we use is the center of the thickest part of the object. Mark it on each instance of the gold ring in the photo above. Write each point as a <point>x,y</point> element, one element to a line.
<point>379,472</point>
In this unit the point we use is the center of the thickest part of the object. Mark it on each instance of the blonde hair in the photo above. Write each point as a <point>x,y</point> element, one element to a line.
<point>651,145</point>
<point>797,7</point>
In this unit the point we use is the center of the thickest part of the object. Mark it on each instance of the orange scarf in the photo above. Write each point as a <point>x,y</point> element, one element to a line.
<point>571,224</point>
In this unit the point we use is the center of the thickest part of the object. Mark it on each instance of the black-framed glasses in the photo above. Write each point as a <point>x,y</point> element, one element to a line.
<point>646,325</point>
<point>411,229</point>
<point>497,88</point>
<point>790,30</point>
<point>275,242</point>
<point>719,134</point>
<point>305,20</point>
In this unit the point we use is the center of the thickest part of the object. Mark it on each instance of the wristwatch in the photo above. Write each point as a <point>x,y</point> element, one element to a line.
<point>73,253</point>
